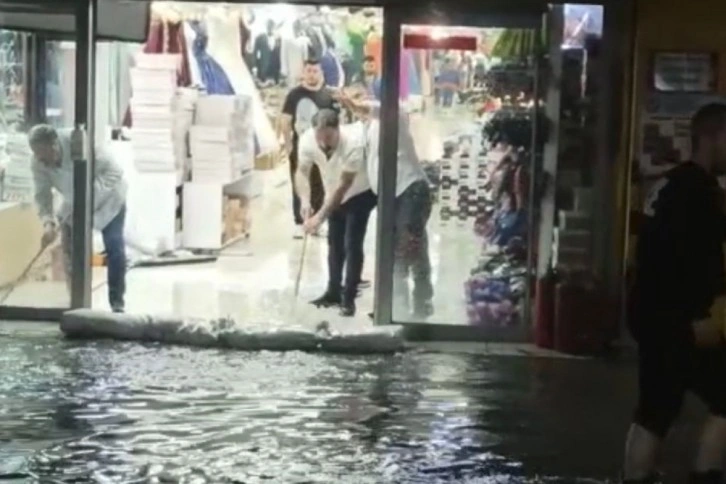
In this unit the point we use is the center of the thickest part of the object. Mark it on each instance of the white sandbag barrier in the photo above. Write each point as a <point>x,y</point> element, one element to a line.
<point>226,333</point>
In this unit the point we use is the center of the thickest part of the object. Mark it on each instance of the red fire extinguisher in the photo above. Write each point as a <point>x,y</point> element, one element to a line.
<point>581,317</point>
<point>544,311</point>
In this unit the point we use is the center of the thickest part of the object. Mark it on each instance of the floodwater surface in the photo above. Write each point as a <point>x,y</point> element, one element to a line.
<point>112,412</point>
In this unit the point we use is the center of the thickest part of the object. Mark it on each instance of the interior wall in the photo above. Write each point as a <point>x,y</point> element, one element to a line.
<point>667,25</point>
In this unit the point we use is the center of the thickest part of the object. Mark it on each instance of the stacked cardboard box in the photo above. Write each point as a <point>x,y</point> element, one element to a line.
<point>153,84</point>
<point>222,139</point>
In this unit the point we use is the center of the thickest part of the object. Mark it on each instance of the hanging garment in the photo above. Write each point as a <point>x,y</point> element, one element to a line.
<point>329,65</point>
<point>350,72</point>
<point>245,35</point>
<point>341,72</point>
<point>342,42</point>
<point>414,80</point>
<point>317,43</point>
<point>190,36</point>
<point>521,187</point>
<point>176,44</point>
<point>374,48</point>
<point>224,41</point>
<point>403,77</point>
<point>214,78</point>
<point>267,57</point>
<point>357,41</point>
<point>293,52</point>
<point>155,39</point>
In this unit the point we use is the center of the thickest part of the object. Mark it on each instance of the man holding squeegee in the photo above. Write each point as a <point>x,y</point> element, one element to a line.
<point>52,168</point>
<point>339,152</point>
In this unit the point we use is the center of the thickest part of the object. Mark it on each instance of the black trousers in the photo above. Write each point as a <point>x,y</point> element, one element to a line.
<point>317,192</point>
<point>413,208</point>
<point>347,227</point>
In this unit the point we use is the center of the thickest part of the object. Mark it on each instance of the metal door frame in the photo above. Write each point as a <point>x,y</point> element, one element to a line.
<point>85,12</point>
<point>395,16</point>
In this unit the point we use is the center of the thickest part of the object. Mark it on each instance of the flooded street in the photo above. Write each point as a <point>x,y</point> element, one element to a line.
<point>109,412</point>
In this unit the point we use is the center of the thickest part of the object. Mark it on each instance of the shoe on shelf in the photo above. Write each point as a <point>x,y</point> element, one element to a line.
<point>298,233</point>
<point>347,309</point>
<point>327,300</point>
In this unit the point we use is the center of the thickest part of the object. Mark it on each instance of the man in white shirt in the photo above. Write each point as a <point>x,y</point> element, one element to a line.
<point>339,153</point>
<point>412,212</point>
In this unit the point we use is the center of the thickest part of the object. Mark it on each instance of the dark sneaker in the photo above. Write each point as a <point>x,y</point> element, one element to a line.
<point>712,477</point>
<point>118,309</point>
<point>654,479</point>
<point>347,309</point>
<point>327,300</point>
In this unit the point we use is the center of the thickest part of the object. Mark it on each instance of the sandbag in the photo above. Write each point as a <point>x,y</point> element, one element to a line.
<point>226,333</point>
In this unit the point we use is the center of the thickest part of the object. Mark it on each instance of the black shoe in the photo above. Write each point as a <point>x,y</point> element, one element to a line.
<point>423,310</point>
<point>327,300</point>
<point>347,309</point>
<point>711,477</point>
<point>654,479</point>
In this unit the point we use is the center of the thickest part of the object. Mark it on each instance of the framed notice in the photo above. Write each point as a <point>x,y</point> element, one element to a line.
<point>684,72</point>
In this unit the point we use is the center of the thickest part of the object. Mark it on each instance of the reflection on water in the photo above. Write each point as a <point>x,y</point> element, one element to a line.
<point>120,412</point>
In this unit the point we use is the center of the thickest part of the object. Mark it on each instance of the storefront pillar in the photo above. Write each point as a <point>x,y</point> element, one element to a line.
<point>550,156</point>
<point>383,301</point>
<point>82,151</point>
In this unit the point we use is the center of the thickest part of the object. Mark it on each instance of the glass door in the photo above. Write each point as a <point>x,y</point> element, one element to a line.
<point>463,209</point>
<point>40,182</point>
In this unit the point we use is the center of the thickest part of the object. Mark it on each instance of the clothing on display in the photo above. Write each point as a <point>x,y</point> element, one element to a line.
<point>213,77</point>
<point>224,40</point>
<point>266,53</point>
<point>293,53</point>
<point>374,48</point>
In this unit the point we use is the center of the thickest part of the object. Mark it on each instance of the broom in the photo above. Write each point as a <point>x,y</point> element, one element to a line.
<point>298,277</point>
<point>10,288</point>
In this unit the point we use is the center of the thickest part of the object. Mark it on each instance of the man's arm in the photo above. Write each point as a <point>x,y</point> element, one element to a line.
<point>333,200</point>
<point>284,130</point>
<point>306,160</point>
<point>285,127</point>
<point>43,195</point>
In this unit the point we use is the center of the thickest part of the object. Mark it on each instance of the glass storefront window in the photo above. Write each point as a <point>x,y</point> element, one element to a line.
<point>206,119</point>
<point>36,192</point>
<point>462,204</point>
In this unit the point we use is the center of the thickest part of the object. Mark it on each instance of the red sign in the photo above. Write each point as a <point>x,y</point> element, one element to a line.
<point>421,41</point>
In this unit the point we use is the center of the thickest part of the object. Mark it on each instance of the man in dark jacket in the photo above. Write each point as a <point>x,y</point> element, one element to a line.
<point>679,275</point>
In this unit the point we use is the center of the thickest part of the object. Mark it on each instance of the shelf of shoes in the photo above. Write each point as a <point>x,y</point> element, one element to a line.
<point>463,181</point>
<point>17,178</point>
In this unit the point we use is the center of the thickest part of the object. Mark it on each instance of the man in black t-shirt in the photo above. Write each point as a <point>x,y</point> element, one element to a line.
<point>679,274</point>
<point>301,104</point>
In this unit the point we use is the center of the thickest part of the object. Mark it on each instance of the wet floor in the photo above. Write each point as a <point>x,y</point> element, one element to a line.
<point>108,412</point>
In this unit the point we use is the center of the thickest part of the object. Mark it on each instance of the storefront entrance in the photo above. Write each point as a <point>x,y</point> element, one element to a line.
<point>197,111</point>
